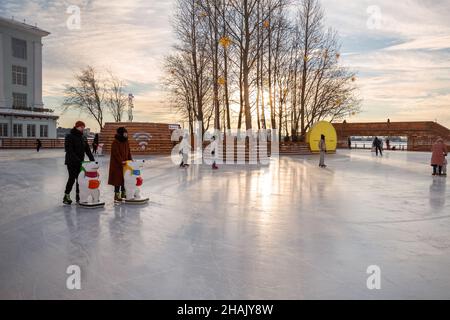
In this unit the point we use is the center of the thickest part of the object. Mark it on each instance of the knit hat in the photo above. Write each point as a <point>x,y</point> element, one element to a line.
<point>121,131</point>
<point>79,124</point>
<point>120,134</point>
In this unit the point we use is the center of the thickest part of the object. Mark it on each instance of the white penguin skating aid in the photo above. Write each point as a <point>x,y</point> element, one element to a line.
<point>89,181</point>
<point>133,182</point>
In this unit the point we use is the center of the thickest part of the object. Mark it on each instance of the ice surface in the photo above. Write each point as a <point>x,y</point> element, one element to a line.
<point>285,231</point>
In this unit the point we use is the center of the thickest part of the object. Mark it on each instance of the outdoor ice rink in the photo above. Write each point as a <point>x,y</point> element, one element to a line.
<point>285,231</point>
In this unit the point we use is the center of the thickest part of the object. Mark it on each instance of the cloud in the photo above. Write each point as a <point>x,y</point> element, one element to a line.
<point>400,50</point>
<point>130,38</point>
<point>402,61</point>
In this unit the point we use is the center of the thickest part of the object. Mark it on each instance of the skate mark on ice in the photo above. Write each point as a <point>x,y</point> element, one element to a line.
<point>400,221</point>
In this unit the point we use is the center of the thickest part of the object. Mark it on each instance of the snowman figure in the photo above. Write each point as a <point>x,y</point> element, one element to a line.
<point>134,181</point>
<point>89,182</point>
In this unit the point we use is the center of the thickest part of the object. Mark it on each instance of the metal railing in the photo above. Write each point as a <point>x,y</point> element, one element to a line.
<point>392,147</point>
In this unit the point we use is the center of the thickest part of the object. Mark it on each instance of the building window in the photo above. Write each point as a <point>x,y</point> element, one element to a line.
<point>31,130</point>
<point>19,100</point>
<point>17,130</point>
<point>19,75</point>
<point>3,129</point>
<point>19,48</point>
<point>44,131</point>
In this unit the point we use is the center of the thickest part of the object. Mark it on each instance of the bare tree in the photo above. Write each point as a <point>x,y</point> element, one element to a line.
<point>116,97</point>
<point>327,90</point>
<point>253,56</point>
<point>87,95</point>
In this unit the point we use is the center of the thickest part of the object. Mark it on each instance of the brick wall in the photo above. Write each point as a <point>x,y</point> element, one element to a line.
<point>159,142</point>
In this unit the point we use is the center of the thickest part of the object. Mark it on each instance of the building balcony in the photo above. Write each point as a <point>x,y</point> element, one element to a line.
<point>40,110</point>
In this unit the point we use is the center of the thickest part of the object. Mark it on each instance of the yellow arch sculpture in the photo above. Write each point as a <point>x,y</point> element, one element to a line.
<point>325,128</point>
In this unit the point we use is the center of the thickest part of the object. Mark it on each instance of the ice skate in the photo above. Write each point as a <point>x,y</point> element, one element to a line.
<point>67,201</point>
<point>184,165</point>
<point>117,197</point>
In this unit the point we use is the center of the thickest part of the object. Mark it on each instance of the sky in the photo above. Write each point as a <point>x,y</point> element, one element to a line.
<point>400,51</point>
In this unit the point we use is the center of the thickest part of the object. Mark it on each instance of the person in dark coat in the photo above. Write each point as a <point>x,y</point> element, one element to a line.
<point>377,144</point>
<point>120,153</point>
<point>38,145</point>
<point>76,147</point>
<point>95,144</point>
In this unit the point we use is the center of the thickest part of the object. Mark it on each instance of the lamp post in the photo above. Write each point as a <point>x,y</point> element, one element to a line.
<point>130,107</point>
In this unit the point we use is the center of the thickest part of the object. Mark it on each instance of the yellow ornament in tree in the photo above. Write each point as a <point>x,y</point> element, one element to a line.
<point>225,42</point>
<point>266,24</point>
<point>221,81</point>
<point>305,58</point>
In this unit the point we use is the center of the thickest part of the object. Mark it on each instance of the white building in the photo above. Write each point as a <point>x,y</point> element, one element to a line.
<point>22,112</point>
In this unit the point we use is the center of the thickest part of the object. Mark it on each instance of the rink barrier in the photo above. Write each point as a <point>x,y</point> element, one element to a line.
<point>24,143</point>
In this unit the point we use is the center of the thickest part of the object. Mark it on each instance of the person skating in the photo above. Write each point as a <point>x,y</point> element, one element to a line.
<point>76,147</point>
<point>95,144</point>
<point>439,152</point>
<point>185,148</point>
<point>323,151</point>
<point>444,167</point>
<point>377,144</point>
<point>38,145</point>
<point>120,153</point>
<point>214,153</point>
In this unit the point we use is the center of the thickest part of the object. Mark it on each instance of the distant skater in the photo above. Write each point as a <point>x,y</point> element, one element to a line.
<point>38,145</point>
<point>438,161</point>
<point>444,167</point>
<point>377,144</point>
<point>349,142</point>
<point>120,153</point>
<point>214,153</point>
<point>323,151</point>
<point>185,148</point>
<point>95,144</point>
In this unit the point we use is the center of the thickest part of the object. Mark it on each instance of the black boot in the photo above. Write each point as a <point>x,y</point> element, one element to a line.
<point>67,199</point>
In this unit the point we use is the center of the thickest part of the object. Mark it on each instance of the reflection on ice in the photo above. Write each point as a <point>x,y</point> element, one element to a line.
<point>288,230</point>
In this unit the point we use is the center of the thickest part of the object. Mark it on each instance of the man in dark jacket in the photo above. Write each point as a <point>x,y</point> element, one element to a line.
<point>76,146</point>
<point>378,145</point>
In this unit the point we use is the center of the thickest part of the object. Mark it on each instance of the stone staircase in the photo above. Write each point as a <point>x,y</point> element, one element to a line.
<point>155,139</point>
<point>294,149</point>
